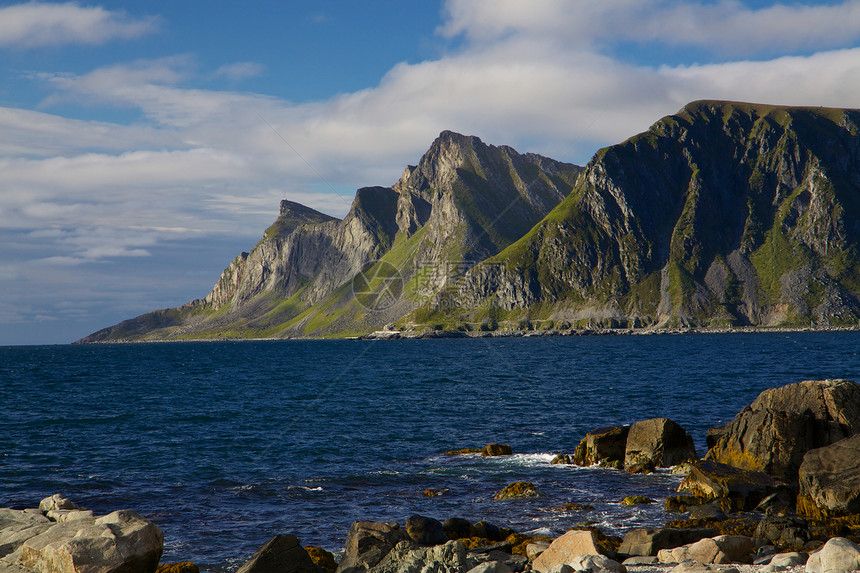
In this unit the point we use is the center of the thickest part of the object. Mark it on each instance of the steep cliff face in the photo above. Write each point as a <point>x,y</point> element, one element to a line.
<point>723,214</point>
<point>463,202</point>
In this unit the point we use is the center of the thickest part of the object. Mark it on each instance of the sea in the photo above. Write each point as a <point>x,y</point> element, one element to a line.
<point>225,444</point>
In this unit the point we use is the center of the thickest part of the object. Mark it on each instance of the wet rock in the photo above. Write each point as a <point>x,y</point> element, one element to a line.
<point>773,434</point>
<point>636,500</point>
<point>562,459</point>
<point>603,446</point>
<point>181,567</point>
<point>649,541</point>
<point>517,489</point>
<point>829,480</point>
<point>321,558</point>
<point>712,480</point>
<point>120,542</point>
<point>426,531</point>
<point>659,442</point>
<point>492,450</point>
<point>839,555</point>
<point>367,543</point>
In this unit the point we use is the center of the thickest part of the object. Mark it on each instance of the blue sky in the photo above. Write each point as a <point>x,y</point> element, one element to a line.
<point>144,145</point>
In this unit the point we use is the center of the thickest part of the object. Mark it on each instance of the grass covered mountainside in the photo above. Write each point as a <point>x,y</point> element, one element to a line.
<point>724,214</point>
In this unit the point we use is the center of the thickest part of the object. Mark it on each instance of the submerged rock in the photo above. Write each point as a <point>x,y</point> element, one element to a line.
<point>517,489</point>
<point>492,450</point>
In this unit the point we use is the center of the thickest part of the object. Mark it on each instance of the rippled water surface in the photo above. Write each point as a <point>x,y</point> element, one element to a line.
<point>225,444</point>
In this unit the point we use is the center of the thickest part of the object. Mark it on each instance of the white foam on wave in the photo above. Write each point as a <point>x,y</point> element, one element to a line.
<point>304,488</point>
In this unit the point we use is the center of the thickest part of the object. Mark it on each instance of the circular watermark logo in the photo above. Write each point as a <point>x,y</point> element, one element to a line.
<point>377,286</point>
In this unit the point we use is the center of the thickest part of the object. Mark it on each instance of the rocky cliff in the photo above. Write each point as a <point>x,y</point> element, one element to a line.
<point>464,201</point>
<point>724,214</point>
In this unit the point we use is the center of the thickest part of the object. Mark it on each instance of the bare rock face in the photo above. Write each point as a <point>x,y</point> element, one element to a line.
<point>658,442</point>
<point>829,479</point>
<point>602,446</point>
<point>120,542</point>
<point>773,434</point>
<point>712,480</point>
<point>280,554</point>
<point>367,543</point>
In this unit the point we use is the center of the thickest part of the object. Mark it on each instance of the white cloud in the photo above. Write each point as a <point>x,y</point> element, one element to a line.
<point>37,24</point>
<point>726,27</point>
<point>239,71</point>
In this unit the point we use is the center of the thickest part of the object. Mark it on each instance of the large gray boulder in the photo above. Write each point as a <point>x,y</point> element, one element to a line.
<point>773,433</point>
<point>658,442</point>
<point>280,554</point>
<point>563,549</point>
<point>406,557</point>
<point>718,550</point>
<point>649,541</point>
<point>603,446</point>
<point>839,555</point>
<point>829,480</point>
<point>120,542</point>
<point>367,543</point>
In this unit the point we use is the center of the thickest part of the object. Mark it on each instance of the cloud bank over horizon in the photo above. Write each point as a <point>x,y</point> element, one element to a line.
<point>194,156</point>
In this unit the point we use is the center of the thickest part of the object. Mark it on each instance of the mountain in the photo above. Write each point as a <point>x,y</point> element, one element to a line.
<point>724,214</point>
<point>313,275</point>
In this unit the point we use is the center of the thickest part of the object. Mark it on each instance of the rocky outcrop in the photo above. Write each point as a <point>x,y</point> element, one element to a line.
<point>406,557</point>
<point>605,446</point>
<point>367,543</point>
<point>829,480</point>
<point>658,442</point>
<point>517,490</point>
<point>773,434</point>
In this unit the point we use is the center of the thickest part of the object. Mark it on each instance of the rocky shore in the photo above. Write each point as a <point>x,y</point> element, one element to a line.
<point>778,490</point>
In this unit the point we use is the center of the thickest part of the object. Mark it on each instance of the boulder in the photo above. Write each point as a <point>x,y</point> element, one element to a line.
<point>784,561</point>
<point>604,446</point>
<point>829,479</point>
<point>487,531</point>
<point>120,542</point>
<point>719,550</point>
<point>649,541</point>
<point>457,528</point>
<point>367,543</point>
<point>782,531</point>
<point>563,549</point>
<point>696,567</point>
<point>406,557</point>
<point>517,489</point>
<point>595,564</point>
<point>772,434</point>
<point>636,500</point>
<point>280,554</point>
<point>535,548</point>
<point>659,442</point>
<point>56,501</point>
<point>426,531</point>
<point>562,459</point>
<point>492,450</point>
<point>839,555</point>
<point>321,558</point>
<point>490,567</point>
<point>62,515</point>
<point>714,480</point>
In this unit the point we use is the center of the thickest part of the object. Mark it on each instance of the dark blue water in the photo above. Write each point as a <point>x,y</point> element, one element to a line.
<point>225,444</point>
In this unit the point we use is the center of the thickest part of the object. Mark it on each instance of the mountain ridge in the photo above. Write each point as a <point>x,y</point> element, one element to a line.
<point>725,214</point>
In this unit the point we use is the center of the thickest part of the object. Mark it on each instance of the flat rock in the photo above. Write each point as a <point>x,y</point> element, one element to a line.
<point>17,526</point>
<point>280,554</point>
<point>839,555</point>
<point>120,542</point>
<point>565,548</point>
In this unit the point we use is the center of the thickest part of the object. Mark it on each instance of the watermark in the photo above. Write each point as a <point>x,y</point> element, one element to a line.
<point>378,286</point>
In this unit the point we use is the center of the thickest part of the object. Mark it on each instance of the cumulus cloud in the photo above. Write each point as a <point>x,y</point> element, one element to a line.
<point>38,24</point>
<point>239,71</point>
